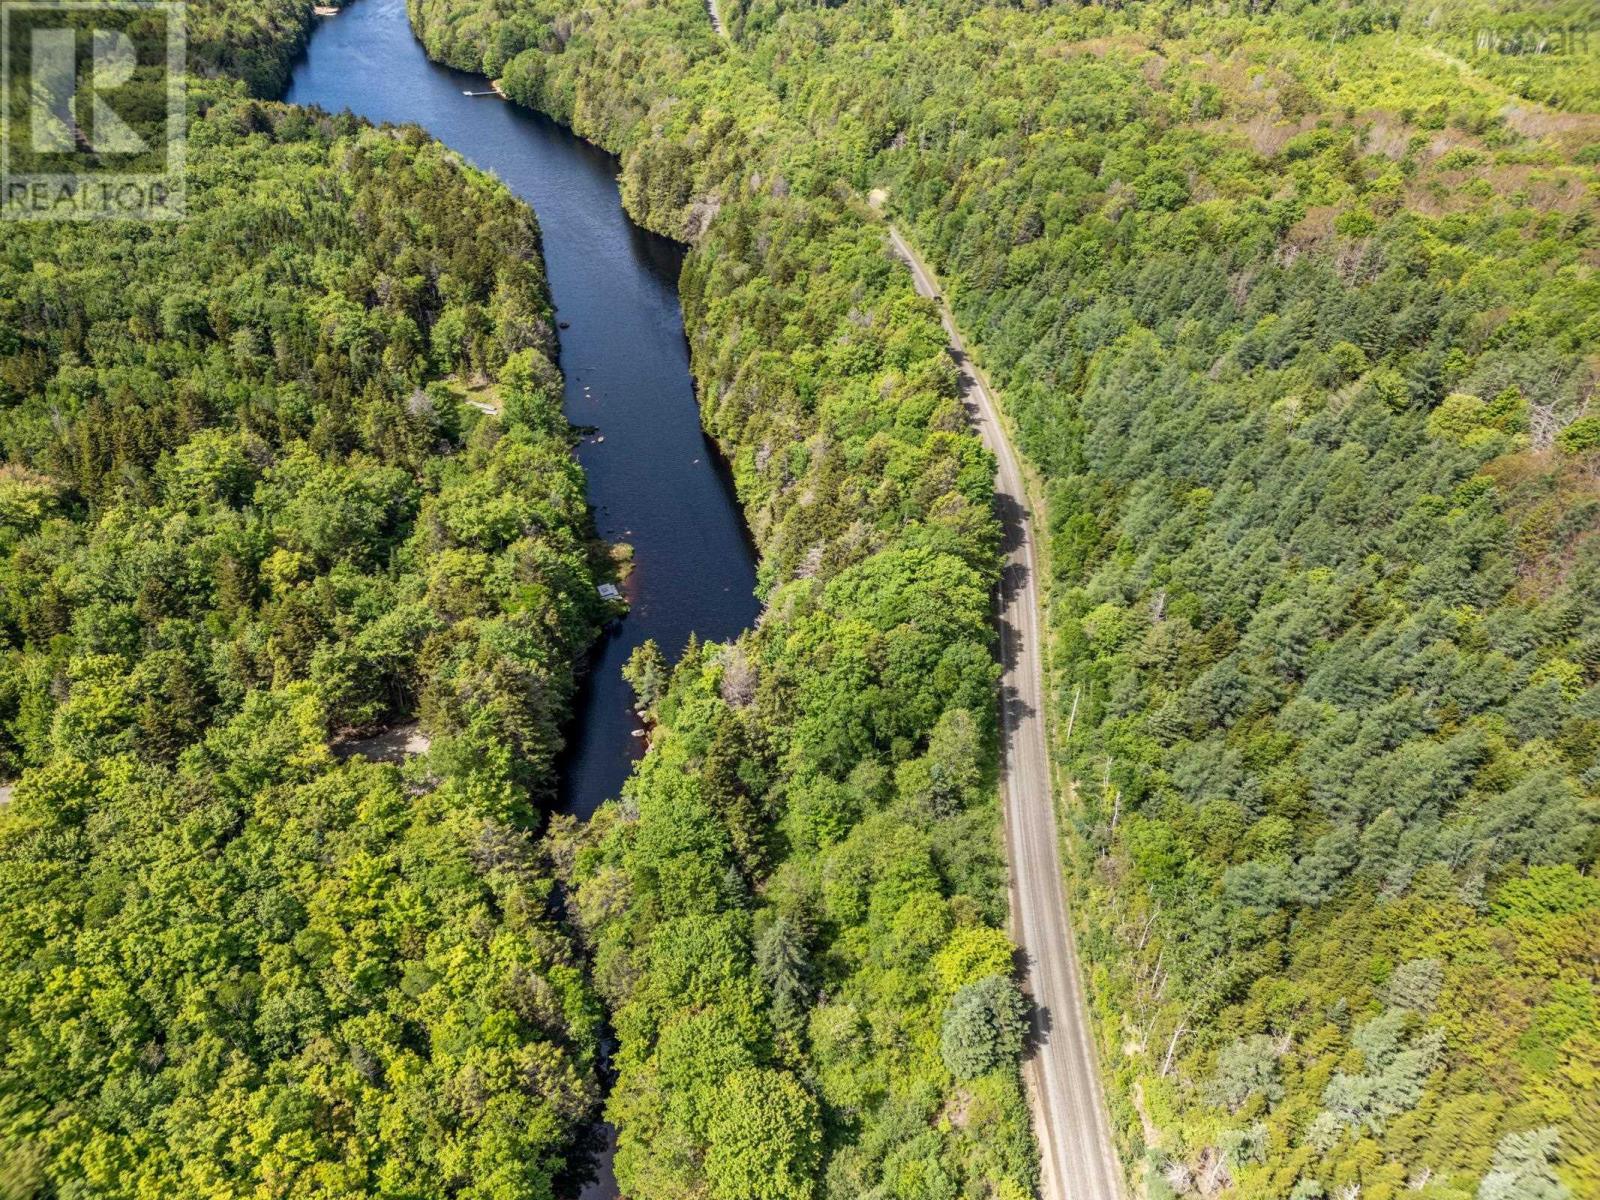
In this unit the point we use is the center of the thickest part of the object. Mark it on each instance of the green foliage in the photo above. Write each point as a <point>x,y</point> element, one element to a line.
<point>1521,1168</point>
<point>1294,309</point>
<point>243,515</point>
<point>261,965</point>
<point>285,491</point>
<point>821,793</point>
<point>1247,1068</point>
<point>781,960</point>
<point>252,41</point>
<point>764,1140</point>
<point>646,673</point>
<point>1580,436</point>
<point>1394,1071</point>
<point>984,1024</point>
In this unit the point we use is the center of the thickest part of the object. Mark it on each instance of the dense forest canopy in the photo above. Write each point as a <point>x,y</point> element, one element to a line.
<point>1295,311</point>
<point>253,504</point>
<point>795,908</point>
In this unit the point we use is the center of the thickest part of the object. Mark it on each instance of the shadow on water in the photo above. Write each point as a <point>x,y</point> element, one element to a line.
<point>655,482</point>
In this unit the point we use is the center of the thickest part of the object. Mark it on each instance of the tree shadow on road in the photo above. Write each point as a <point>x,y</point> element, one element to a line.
<point>1040,1020</point>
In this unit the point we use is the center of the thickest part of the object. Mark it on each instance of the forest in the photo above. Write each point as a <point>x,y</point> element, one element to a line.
<point>801,892</point>
<point>1294,309</point>
<point>253,506</point>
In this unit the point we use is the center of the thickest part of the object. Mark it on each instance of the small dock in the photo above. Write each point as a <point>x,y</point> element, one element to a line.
<point>492,90</point>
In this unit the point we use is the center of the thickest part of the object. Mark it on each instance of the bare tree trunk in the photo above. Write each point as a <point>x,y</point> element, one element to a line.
<point>1172,1048</point>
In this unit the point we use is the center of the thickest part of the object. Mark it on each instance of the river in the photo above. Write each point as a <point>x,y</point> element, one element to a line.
<point>655,481</point>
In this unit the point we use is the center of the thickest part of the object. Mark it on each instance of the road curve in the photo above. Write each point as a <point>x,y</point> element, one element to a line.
<point>1069,1112</point>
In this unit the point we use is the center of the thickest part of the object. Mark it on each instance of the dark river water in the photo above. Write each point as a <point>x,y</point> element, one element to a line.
<point>654,481</point>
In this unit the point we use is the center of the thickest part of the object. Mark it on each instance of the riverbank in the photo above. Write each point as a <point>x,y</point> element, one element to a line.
<point>1226,307</point>
<point>654,481</point>
<point>823,730</point>
<point>655,484</point>
<point>339,942</point>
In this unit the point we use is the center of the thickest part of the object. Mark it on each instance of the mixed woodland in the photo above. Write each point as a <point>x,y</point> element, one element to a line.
<point>1295,312</point>
<point>255,504</point>
<point>796,907</point>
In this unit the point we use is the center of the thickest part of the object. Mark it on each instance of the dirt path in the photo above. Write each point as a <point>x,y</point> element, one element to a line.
<point>1069,1109</point>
